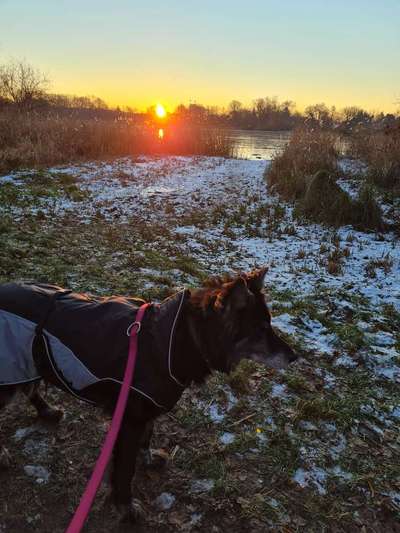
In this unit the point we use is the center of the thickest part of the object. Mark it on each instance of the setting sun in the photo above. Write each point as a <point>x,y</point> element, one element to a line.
<point>160,111</point>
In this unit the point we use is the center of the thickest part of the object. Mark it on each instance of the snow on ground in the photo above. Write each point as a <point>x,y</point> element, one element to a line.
<point>144,187</point>
<point>220,213</point>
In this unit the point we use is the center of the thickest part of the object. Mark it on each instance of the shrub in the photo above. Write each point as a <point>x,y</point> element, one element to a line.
<point>307,171</point>
<point>308,152</point>
<point>366,212</point>
<point>325,201</point>
<point>381,151</point>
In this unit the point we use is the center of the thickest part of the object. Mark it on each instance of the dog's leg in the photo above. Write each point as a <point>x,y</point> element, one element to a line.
<point>125,455</point>
<point>145,450</point>
<point>5,458</point>
<point>44,410</point>
<point>151,458</point>
<point>6,394</point>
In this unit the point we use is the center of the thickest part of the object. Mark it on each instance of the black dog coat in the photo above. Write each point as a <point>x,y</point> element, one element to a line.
<point>83,340</point>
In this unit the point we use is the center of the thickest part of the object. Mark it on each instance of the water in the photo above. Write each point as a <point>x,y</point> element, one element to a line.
<point>258,144</point>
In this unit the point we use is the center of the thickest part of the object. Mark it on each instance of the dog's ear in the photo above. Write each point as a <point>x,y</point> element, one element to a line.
<point>255,279</point>
<point>234,295</point>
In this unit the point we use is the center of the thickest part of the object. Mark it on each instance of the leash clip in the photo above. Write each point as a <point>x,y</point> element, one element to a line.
<point>138,326</point>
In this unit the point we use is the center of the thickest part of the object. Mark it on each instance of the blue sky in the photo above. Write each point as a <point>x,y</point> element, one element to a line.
<point>136,53</point>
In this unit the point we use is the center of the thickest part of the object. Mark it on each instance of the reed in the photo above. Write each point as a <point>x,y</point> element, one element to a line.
<point>380,150</point>
<point>35,139</point>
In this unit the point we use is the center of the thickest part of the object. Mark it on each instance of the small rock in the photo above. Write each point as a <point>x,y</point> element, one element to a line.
<point>165,501</point>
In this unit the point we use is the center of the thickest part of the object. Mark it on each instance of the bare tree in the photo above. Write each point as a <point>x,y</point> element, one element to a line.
<point>235,107</point>
<point>21,84</point>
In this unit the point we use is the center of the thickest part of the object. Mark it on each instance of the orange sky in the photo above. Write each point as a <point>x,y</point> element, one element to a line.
<point>134,53</point>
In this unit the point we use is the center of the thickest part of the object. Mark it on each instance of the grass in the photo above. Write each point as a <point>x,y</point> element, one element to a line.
<point>239,379</point>
<point>41,139</point>
<point>385,263</point>
<point>350,337</point>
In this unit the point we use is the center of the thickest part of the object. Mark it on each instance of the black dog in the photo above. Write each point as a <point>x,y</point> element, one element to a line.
<point>80,344</point>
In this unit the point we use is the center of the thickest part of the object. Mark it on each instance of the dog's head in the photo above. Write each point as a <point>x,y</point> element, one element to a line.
<point>242,323</point>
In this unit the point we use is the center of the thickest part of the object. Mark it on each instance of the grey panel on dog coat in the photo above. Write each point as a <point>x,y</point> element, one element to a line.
<point>87,340</point>
<point>16,362</point>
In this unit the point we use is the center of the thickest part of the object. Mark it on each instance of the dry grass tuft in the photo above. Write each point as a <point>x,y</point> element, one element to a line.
<point>325,201</point>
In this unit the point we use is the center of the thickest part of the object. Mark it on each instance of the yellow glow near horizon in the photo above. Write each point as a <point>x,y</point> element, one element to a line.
<point>160,111</point>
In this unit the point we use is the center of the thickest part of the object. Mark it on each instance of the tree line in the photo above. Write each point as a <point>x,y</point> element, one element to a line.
<point>25,89</point>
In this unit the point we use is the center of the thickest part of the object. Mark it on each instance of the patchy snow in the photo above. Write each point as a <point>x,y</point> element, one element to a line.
<point>272,502</point>
<point>215,413</point>
<point>396,412</point>
<point>195,519</point>
<point>315,477</point>
<point>339,447</point>
<point>270,424</point>
<point>394,496</point>
<point>201,485</point>
<point>352,167</point>
<point>41,473</point>
<point>328,377</point>
<point>198,201</point>
<point>279,390</point>
<point>8,179</point>
<point>341,474</point>
<point>227,438</point>
<point>22,433</point>
<point>165,501</point>
<point>384,338</point>
<point>307,425</point>
<point>284,323</point>
<point>351,187</point>
<point>37,449</point>
<point>345,361</point>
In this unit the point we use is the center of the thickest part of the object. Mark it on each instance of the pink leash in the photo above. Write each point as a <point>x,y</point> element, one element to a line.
<point>86,502</point>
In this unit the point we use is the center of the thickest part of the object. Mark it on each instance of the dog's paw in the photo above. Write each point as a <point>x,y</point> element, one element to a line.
<point>154,459</point>
<point>51,415</point>
<point>132,512</point>
<point>5,459</point>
